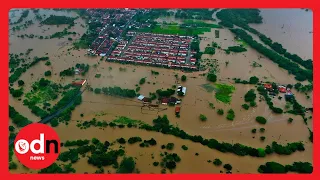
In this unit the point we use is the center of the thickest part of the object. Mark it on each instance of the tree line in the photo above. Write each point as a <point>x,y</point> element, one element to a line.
<point>291,67</point>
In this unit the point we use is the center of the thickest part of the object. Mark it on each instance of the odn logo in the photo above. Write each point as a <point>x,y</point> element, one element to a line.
<point>37,146</point>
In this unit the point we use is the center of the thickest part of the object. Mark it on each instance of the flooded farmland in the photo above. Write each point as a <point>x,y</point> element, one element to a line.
<point>196,101</point>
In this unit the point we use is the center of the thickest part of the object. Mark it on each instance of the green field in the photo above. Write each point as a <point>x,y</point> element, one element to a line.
<point>175,29</point>
<point>223,92</point>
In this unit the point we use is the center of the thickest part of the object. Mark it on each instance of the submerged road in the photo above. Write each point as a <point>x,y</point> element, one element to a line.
<point>58,112</point>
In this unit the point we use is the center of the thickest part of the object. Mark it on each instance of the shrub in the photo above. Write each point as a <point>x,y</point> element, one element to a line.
<point>97,90</point>
<point>121,141</point>
<point>20,83</point>
<point>184,147</point>
<point>262,138</point>
<point>261,120</point>
<point>253,80</point>
<point>217,162</point>
<point>245,106</point>
<point>127,165</point>
<point>220,111</point>
<point>227,167</point>
<point>170,146</point>
<point>230,115</point>
<point>142,81</point>
<point>202,117</point>
<point>47,73</point>
<point>253,104</point>
<point>290,120</point>
<point>212,77</point>
<point>155,163</point>
<point>183,78</point>
<point>250,96</point>
<point>262,130</point>
<point>261,152</point>
<point>11,128</point>
<point>133,140</point>
<point>254,130</point>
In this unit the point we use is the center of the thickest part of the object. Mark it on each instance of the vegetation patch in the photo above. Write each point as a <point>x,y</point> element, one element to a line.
<point>58,20</point>
<point>230,115</point>
<point>17,118</point>
<point>223,92</point>
<point>274,167</point>
<point>261,120</point>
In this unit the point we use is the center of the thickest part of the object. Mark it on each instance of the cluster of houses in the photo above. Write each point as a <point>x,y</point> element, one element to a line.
<point>281,89</point>
<point>157,49</point>
<point>113,24</point>
<point>120,48</point>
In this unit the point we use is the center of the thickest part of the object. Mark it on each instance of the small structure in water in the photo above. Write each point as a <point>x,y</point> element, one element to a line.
<point>79,83</point>
<point>177,110</point>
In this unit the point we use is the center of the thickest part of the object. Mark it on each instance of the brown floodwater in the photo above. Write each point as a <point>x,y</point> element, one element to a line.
<point>195,102</point>
<point>297,32</point>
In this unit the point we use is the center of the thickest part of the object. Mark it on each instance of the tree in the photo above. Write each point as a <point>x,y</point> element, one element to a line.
<point>47,73</point>
<point>202,117</point>
<point>230,115</point>
<point>253,80</point>
<point>127,166</point>
<point>262,130</point>
<point>16,93</point>
<point>184,147</point>
<point>262,138</point>
<point>254,130</point>
<point>227,167</point>
<point>183,78</point>
<point>11,128</point>
<point>220,111</point>
<point>155,163</point>
<point>253,104</point>
<point>44,82</point>
<point>171,165</point>
<point>169,146</point>
<point>261,152</point>
<point>20,83</point>
<point>97,90</point>
<point>290,120</point>
<point>250,96</point>
<point>261,120</point>
<point>121,140</point>
<point>217,162</point>
<point>245,106</point>
<point>142,81</point>
<point>212,77</point>
<point>12,165</point>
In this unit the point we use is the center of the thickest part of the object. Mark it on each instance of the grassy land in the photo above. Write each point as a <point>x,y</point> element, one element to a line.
<point>241,42</point>
<point>41,94</point>
<point>175,29</point>
<point>125,120</point>
<point>223,92</point>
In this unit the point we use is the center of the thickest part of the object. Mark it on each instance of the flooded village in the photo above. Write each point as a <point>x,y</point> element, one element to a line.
<point>157,90</point>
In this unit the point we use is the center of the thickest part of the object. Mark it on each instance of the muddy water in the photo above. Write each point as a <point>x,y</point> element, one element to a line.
<point>295,35</point>
<point>195,102</point>
<point>144,155</point>
<point>52,48</point>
